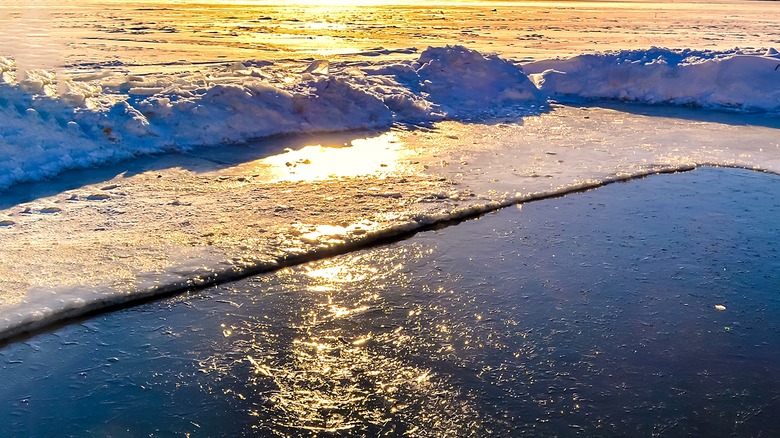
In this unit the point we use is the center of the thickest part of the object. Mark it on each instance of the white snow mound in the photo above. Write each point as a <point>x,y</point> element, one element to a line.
<point>49,124</point>
<point>733,80</point>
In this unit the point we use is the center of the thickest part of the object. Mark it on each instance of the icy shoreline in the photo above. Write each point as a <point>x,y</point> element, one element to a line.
<point>633,271</point>
<point>191,220</point>
<point>183,224</point>
<point>46,310</point>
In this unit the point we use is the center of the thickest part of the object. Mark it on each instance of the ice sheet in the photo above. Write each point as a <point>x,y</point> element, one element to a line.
<point>177,221</point>
<point>460,130</point>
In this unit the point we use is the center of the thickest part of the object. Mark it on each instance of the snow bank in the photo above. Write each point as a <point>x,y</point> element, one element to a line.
<point>48,124</point>
<point>739,80</point>
<point>461,80</point>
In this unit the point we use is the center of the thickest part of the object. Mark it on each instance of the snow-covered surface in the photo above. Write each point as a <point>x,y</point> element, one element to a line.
<point>148,36</point>
<point>51,125</point>
<point>457,130</point>
<point>739,79</point>
<point>106,236</point>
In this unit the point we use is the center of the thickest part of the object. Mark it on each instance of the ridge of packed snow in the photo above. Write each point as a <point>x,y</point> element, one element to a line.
<point>741,80</point>
<point>49,124</point>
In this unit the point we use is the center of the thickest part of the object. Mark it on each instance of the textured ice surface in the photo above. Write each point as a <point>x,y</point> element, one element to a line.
<point>167,223</point>
<point>114,80</point>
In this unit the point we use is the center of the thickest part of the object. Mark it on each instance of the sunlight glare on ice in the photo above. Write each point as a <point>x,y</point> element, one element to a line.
<point>381,154</point>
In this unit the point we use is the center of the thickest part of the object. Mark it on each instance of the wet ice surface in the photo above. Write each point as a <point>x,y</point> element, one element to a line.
<point>174,221</point>
<point>166,223</point>
<point>635,309</point>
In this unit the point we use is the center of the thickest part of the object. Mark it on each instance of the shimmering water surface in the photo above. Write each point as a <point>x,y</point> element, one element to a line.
<point>647,308</point>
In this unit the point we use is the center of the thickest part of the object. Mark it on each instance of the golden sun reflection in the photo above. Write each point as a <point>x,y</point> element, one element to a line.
<point>343,364</point>
<point>339,274</point>
<point>375,155</point>
<point>324,4</point>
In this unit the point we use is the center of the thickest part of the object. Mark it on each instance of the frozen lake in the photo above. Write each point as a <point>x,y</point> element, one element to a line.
<point>640,308</point>
<point>148,36</point>
<point>243,160</point>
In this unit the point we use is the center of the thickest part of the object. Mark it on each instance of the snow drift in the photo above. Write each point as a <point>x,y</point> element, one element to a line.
<point>739,80</point>
<point>48,125</point>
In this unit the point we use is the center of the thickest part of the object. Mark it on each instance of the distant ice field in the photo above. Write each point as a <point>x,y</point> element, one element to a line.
<point>158,147</point>
<point>164,34</point>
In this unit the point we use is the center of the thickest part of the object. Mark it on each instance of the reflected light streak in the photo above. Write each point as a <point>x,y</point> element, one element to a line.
<point>368,156</point>
<point>336,275</point>
<point>331,371</point>
<point>337,4</point>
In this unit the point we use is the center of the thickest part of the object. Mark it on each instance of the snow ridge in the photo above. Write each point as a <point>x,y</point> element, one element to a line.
<point>49,124</point>
<point>737,80</point>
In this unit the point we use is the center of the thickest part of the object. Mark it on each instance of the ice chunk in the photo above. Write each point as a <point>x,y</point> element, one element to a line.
<point>319,67</point>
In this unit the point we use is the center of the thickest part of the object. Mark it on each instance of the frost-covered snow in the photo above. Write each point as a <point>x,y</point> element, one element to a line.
<point>743,80</point>
<point>50,124</point>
